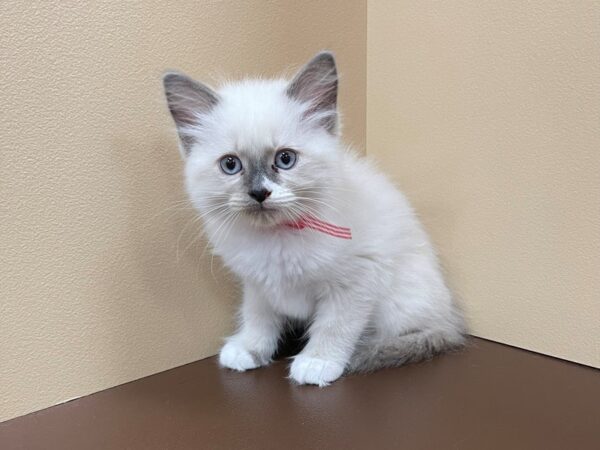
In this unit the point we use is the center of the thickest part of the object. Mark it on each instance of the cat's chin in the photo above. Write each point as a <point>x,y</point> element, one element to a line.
<point>264,217</point>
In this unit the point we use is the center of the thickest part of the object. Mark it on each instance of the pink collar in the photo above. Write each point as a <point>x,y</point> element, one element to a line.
<point>318,225</point>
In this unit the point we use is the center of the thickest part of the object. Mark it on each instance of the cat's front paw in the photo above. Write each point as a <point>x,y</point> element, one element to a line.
<point>307,370</point>
<point>236,357</point>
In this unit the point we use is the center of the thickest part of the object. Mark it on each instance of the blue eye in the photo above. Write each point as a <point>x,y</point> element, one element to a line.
<point>230,164</point>
<point>285,159</point>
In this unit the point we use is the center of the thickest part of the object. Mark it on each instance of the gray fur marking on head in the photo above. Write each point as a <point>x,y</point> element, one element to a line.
<point>257,170</point>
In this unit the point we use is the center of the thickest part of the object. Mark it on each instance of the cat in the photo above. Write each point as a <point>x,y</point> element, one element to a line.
<point>315,233</point>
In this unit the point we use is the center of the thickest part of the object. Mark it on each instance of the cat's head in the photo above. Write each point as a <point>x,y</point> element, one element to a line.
<point>261,151</point>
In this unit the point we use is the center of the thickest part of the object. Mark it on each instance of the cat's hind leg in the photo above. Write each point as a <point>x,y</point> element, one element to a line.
<point>376,352</point>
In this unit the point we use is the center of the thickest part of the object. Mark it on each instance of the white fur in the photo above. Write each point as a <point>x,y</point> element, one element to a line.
<point>382,283</point>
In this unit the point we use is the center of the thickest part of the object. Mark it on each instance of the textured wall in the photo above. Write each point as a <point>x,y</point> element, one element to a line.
<point>488,115</point>
<point>92,291</point>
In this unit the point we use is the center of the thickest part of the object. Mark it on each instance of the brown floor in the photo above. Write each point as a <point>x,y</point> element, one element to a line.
<point>487,397</point>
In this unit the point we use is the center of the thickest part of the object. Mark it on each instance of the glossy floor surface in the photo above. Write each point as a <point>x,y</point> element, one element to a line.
<point>488,396</point>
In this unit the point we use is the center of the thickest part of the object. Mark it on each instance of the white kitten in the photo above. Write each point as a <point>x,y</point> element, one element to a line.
<point>315,233</point>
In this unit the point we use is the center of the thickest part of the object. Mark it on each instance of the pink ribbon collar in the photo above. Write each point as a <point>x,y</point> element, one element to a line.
<point>323,227</point>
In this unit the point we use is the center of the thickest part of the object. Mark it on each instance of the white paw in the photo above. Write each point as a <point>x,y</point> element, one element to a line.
<point>236,357</point>
<point>307,370</point>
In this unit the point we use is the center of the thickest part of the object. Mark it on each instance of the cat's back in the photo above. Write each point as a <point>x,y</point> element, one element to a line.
<point>382,216</point>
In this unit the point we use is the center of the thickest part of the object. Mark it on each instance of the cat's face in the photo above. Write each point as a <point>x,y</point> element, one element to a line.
<point>264,152</point>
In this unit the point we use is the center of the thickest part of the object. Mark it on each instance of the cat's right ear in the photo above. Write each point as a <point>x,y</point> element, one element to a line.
<point>188,101</point>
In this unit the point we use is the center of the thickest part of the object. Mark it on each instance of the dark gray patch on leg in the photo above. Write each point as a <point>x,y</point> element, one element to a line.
<point>292,341</point>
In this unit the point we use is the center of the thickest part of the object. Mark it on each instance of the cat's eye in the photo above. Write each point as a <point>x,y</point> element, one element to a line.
<point>285,158</point>
<point>230,164</point>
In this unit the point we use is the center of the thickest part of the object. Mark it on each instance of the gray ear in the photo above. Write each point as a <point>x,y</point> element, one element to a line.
<point>188,100</point>
<point>317,84</point>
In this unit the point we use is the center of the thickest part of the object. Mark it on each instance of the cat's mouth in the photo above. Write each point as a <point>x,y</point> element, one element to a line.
<point>259,209</point>
<point>263,215</point>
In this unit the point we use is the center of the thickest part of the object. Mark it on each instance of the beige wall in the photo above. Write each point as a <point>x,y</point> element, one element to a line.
<point>92,293</point>
<point>488,115</point>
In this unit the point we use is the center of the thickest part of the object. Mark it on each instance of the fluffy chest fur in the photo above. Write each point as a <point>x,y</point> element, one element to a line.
<point>290,266</point>
<point>280,257</point>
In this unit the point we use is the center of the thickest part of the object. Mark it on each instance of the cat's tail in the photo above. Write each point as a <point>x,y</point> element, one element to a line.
<point>420,345</point>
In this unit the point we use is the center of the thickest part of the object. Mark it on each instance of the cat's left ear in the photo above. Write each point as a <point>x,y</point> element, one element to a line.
<point>316,85</point>
<point>188,102</point>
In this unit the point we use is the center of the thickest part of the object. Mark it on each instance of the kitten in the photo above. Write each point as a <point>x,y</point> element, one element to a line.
<point>315,233</point>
